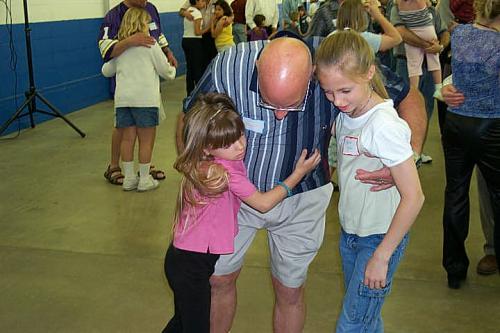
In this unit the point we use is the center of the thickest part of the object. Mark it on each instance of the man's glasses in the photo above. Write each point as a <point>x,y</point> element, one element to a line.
<point>299,108</point>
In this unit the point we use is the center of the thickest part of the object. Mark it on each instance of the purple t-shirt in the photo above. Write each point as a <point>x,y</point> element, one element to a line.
<point>216,223</point>
<point>108,33</point>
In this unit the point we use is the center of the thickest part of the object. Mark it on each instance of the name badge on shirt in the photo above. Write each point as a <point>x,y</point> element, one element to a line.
<point>152,26</point>
<point>254,125</point>
<point>350,146</point>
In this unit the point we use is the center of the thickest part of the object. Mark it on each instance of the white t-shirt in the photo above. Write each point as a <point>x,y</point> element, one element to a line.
<point>138,70</point>
<point>189,25</point>
<point>376,139</point>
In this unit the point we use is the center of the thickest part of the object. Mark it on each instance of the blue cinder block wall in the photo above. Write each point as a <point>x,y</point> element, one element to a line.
<point>67,65</point>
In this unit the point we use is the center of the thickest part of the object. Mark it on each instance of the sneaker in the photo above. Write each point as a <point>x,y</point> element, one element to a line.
<point>425,158</point>
<point>487,265</point>
<point>147,184</point>
<point>130,183</point>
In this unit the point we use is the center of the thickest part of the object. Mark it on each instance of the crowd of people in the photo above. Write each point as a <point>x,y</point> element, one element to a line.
<point>268,104</point>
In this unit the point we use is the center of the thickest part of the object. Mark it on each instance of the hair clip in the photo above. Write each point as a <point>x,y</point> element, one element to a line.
<point>214,115</point>
<point>347,28</point>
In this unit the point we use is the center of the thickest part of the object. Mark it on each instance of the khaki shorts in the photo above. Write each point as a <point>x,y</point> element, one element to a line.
<point>295,229</point>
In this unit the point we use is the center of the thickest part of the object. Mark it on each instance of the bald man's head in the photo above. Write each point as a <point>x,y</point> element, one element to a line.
<point>284,68</point>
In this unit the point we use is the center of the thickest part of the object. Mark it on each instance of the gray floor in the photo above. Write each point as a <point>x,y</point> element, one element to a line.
<point>80,255</point>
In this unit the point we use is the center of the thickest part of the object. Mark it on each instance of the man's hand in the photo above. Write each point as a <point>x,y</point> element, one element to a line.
<point>171,58</point>
<point>140,39</point>
<point>452,97</point>
<point>381,179</point>
<point>435,47</point>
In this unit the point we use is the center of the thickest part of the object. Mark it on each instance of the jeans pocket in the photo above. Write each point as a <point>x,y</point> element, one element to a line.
<point>369,304</point>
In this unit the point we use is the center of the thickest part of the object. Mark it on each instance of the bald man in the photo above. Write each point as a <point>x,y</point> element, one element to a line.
<point>284,111</point>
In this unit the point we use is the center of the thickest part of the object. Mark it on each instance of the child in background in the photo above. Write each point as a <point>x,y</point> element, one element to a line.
<point>221,26</point>
<point>294,25</point>
<point>260,33</point>
<point>304,20</point>
<point>137,98</point>
<point>417,18</point>
<point>214,182</point>
<point>370,135</point>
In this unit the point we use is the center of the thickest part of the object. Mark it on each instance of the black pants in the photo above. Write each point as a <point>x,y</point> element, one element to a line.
<point>209,49</point>
<point>188,274</point>
<point>193,51</point>
<point>467,142</point>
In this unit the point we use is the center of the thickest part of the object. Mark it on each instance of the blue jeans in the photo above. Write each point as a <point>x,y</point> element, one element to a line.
<point>425,84</point>
<point>362,306</point>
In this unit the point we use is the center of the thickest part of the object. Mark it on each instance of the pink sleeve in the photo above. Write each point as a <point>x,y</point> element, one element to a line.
<point>239,184</point>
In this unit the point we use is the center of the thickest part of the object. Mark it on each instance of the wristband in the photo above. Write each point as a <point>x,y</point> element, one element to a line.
<point>287,189</point>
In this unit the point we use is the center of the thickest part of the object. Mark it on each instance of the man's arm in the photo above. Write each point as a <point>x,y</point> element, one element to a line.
<point>205,85</point>
<point>412,110</point>
<point>249,13</point>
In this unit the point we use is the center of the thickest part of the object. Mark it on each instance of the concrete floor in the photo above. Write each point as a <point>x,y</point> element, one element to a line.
<point>80,255</point>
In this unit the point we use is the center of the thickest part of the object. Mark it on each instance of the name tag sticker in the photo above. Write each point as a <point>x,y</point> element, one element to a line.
<point>152,26</point>
<point>350,146</point>
<point>254,125</point>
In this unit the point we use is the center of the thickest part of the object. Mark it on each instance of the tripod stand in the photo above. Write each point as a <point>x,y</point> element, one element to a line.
<point>32,94</point>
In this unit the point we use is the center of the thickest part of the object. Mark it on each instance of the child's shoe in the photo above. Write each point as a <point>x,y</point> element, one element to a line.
<point>130,183</point>
<point>148,183</point>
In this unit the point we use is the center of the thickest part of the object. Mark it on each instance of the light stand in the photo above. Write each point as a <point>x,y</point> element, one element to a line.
<point>32,93</point>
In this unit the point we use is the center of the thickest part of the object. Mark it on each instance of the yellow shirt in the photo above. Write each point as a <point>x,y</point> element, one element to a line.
<point>225,37</point>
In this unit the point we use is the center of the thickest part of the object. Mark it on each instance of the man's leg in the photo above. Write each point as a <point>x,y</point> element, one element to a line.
<point>295,236</point>
<point>223,304</point>
<point>289,308</point>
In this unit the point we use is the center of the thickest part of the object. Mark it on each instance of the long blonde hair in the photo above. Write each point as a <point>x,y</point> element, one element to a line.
<point>351,53</point>
<point>135,20</point>
<point>353,15</point>
<point>211,123</point>
<point>487,9</point>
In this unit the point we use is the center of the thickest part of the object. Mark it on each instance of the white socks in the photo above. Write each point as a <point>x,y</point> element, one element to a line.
<point>144,170</point>
<point>128,169</point>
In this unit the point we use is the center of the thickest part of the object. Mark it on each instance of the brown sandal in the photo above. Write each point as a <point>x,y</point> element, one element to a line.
<point>156,173</point>
<point>114,175</point>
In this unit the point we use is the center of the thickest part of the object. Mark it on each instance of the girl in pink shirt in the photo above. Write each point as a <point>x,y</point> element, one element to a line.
<point>213,185</point>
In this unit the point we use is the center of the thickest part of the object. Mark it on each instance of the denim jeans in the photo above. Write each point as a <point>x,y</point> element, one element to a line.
<point>362,306</point>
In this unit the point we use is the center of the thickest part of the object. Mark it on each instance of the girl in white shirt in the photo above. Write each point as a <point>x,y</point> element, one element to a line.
<point>370,135</point>
<point>192,44</point>
<point>137,97</point>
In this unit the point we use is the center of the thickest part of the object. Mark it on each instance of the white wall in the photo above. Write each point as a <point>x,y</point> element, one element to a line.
<point>61,10</point>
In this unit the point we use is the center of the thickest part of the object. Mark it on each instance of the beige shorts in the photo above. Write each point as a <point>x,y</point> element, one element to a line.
<point>295,230</point>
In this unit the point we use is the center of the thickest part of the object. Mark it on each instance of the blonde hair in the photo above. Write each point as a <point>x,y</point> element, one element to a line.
<point>211,123</point>
<point>351,53</point>
<point>352,15</point>
<point>135,20</point>
<point>487,9</point>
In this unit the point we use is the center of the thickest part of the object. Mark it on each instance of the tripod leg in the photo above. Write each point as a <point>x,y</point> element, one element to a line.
<point>57,113</point>
<point>17,114</point>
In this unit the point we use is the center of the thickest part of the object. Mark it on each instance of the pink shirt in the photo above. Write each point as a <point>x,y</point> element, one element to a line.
<point>216,223</point>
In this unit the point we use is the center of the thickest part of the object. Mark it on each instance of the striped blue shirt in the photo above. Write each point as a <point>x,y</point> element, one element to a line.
<point>273,146</point>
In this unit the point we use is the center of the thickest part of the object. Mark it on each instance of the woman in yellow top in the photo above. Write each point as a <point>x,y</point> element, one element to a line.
<point>222,26</point>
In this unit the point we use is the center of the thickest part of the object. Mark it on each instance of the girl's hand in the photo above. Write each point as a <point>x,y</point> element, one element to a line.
<point>376,273</point>
<point>304,165</point>
<point>372,7</point>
